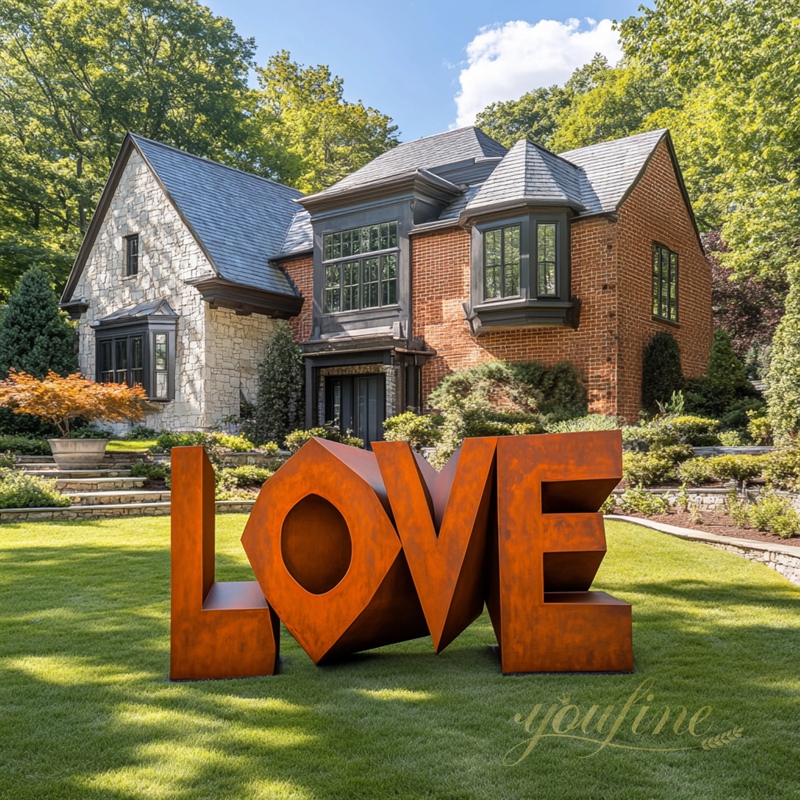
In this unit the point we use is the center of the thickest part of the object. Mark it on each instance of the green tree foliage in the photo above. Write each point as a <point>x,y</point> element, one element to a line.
<point>783,381</point>
<point>322,136</point>
<point>661,371</point>
<point>279,404</point>
<point>725,370</point>
<point>76,74</point>
<point>36,337</point>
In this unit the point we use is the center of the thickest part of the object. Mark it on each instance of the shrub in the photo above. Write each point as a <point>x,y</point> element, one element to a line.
<point>731,439</point>
<point>279,401</point>
<point>661,370</point>
<point>87,432</point>
<point>268,448</point>
<point>558,390</point>
<point>738,468</point>
<point>759,428</point>
<point>243,477</point>
<point>62,401</point>
<point>591,422</point>
<point>676,453</point>
<point>36,337</point>
<point>645,437</point>
<point>642,502</point>
<point>20,490</point>
<point>7,460</point>
<point>151,471</point>
<point>22,446</point>
<point>418,430</point>
<point>609,505</point>
<point>769,513</point>
<point>687,429</point>
<point>140,433</point>
<point>166,441</point>
<point>695,472</point>
<point>735,415</point>
<point>782,467</point>
<point>236,443</point>
<point>647,469</point>
<point>296,439</point>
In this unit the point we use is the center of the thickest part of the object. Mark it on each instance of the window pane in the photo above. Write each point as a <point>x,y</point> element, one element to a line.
<point>374,237</point>
<point>546,259</point>
<point>389,280</point>
<point>337,245</point>
<point>132,255</point>
<point>664,280</point>
<point>327,247</point>
<point>106,356</point>
<point>511,261</point>
<point>392,234</point>
<point>332,293</point>
<point>673,286</point>
<point>491,287</point>
<point>160,355</point>
<point>656,285</point>
<point>350,285</point>
<point>121,360</point>
<point>371,282</point>
<point>492,248</point>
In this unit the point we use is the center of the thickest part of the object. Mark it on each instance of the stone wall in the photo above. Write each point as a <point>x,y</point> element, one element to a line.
<point>217,352</point>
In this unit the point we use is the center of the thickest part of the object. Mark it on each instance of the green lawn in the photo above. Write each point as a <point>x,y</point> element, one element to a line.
<point>125,445</point>
<point>86,710</point>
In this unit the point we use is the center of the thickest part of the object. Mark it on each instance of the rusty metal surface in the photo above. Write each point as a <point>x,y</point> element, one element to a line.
<point>324,494</point>
<point>441,519</point>
<point>218,630</point>
<point>544,555</point>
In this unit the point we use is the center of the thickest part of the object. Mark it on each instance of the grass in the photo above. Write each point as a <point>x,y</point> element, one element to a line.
<point>126,446</point>
<point>86,711</point>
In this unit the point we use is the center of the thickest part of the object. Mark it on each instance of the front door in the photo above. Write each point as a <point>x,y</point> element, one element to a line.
<point>357,403</point>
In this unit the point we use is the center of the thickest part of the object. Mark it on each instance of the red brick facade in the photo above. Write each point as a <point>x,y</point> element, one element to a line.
<point>611,260</point>
<point>611,275</point>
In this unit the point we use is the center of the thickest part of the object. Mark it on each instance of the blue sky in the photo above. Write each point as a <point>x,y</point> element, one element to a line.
<point>431,66</point>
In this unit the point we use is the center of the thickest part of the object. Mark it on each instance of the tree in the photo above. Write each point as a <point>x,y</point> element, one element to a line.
<point>661,373</point>
<point>748,308</point>
<point>36,337</point>
<point>302,111</point>
<point>75,75</point>
<point>62,400</point>
<point>783,380</point>
<point>279,403</point>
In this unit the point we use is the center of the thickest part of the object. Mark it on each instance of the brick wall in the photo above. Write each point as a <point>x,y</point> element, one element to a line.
<point>611,274</point>
<point>301,272</point>
<point>655,211</point>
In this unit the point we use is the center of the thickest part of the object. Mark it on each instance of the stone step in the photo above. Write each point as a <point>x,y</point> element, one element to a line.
<point>78,512</point>
<point>80,473</point>
<point>69,485</point>
<point>118,497</point>
<point>35,459</point>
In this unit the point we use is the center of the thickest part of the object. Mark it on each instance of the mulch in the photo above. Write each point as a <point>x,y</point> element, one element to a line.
<point>718,523</point>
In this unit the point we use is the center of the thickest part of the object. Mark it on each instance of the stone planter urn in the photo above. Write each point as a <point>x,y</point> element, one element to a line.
<point>78,453</point>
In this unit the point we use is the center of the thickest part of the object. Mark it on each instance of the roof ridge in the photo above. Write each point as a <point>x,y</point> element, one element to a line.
<point>549,152</point>
<point>213,163</point>
<point>660,131</point>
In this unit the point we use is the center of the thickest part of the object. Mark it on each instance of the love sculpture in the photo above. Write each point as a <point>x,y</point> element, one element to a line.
<point>354,550</point>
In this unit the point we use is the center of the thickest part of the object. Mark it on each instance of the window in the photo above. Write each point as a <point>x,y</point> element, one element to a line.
<point>665,283</point>
<point>501,262</point>
<point>546,261</point>
<point>132,255</point>
<point>360,268</point>
<point>144,357</point>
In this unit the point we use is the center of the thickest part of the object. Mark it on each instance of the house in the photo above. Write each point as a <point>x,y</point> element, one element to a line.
<point>439,254</point>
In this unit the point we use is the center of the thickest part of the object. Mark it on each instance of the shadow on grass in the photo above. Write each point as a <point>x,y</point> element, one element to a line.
<point>87,711</point>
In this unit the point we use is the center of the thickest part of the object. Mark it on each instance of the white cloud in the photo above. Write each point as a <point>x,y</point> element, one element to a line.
<point>506,61</point>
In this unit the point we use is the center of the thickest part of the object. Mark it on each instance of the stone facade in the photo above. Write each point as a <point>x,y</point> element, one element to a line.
<point>217,352</point>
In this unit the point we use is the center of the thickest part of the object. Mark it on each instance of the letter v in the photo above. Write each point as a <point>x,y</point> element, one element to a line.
<point>442,522</point>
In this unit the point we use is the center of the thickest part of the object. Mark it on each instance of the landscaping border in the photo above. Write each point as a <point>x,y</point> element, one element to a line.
<point>782,558</point>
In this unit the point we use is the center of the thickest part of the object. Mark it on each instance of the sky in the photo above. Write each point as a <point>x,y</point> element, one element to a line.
<point>432,66</point>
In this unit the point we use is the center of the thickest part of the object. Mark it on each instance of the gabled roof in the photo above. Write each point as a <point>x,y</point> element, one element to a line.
<point>533,175</point>
<point>611,169</point>
<point>451,147</point>
<point>150,308</point>
<point>238,219</point>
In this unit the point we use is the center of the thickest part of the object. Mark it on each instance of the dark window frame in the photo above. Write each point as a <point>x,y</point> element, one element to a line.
<point>154,334</point>
<point>132,255</point>
<point>665,293</point>
<point>503,263</point>
<point>354,292</point>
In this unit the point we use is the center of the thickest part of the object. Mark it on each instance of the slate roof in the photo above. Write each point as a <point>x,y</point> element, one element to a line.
<point>450,147</point>
<point>240,219</point>
<point>150,308</point>
<point>531,173</point>
<point>299,236</point>
<point>611,168</point>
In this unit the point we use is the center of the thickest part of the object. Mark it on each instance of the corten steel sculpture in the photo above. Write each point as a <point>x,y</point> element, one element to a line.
<point>354,550</point>
<point>218,630</point>
<point>327,556</point>
<point>547,549</point>
<point>441,519</point>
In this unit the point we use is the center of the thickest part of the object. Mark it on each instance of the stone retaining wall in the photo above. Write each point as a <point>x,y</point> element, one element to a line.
<point>714,499</point>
